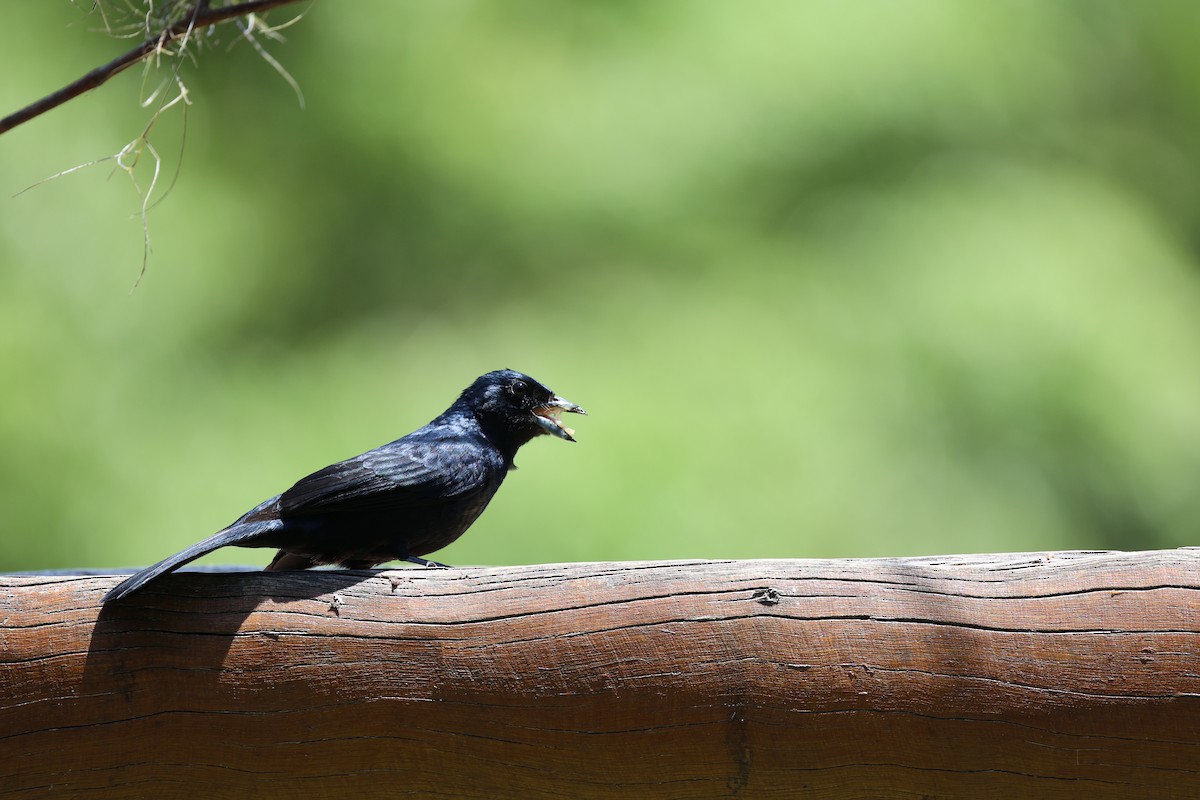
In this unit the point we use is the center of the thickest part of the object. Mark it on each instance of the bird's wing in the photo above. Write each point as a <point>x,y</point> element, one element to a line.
<point>402,474</point>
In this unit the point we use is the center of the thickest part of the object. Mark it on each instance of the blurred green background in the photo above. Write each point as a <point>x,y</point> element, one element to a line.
<point>833,279</point>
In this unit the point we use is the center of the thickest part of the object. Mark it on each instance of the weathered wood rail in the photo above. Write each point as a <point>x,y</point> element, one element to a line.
<point>1046,675</point>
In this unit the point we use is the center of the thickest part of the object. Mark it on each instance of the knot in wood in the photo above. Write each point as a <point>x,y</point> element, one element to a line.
<point>767,596</point>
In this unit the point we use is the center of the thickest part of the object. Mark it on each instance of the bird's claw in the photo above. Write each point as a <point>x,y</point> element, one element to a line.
<point>424,562</point>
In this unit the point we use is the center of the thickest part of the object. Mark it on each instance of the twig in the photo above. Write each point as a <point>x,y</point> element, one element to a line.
<point>201,17</point>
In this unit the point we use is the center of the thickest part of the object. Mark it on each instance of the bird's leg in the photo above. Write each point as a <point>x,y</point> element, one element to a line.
<point>425,562</point>
<point>400,552</point>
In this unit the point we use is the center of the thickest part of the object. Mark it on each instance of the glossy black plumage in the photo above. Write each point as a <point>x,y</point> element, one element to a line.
<point>401,501</point>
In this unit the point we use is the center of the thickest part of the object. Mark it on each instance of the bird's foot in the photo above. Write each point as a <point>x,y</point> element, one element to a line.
<point>427,563</point>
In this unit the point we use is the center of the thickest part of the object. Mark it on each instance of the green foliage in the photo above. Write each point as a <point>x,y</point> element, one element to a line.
<point>833,279</point>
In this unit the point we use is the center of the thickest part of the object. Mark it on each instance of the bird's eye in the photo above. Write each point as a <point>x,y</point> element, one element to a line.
<point>519,388</point>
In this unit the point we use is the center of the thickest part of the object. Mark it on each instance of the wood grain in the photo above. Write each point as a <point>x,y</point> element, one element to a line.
<point>1046,675</point>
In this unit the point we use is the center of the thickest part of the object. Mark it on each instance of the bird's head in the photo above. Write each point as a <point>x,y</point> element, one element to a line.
<point>515,407</point>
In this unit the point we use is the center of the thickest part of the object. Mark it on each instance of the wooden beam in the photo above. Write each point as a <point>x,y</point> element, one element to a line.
<point>1047,675</point>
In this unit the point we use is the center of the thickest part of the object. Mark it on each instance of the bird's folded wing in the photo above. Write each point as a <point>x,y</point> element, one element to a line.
<point>389,477</point>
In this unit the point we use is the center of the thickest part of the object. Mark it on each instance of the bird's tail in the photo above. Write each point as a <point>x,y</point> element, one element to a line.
<point>239,533</point>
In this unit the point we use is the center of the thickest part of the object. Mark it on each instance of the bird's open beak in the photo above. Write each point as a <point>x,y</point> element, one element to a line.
<point>548,414</point>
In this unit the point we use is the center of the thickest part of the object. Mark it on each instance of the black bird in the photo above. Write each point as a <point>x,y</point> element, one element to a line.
<point>399,501</point>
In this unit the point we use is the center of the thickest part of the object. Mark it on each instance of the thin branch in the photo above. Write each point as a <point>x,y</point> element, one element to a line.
<point>201,16</point>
